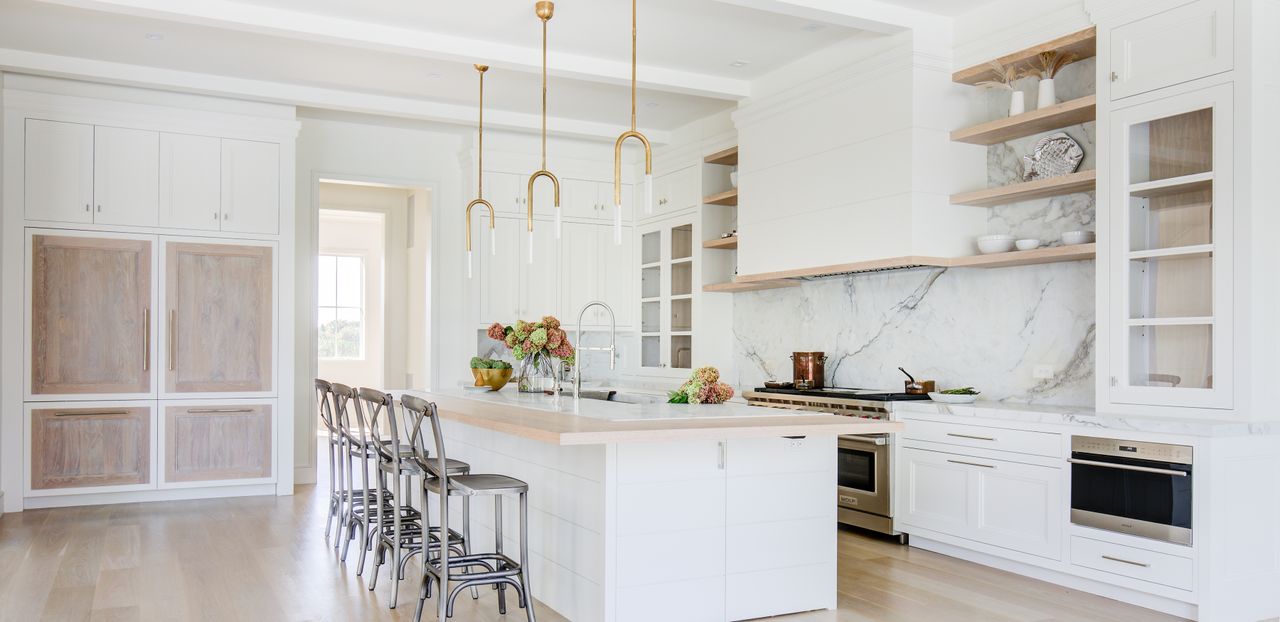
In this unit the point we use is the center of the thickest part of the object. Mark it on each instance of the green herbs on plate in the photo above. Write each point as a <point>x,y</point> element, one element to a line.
<point>960,391</point>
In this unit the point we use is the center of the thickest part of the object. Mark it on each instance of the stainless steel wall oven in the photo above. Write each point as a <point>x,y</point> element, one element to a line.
<point>1132,487</point>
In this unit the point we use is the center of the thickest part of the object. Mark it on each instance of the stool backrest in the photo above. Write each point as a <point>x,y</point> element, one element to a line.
<point>372,406</point>
<point>324,402</point>
<point>422,414</point>
<point>342,396</point>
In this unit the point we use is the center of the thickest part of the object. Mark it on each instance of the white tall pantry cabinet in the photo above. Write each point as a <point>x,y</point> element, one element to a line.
<point>149,249</point>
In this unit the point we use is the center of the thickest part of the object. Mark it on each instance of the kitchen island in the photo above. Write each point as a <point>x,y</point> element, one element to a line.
<point>643,512</point>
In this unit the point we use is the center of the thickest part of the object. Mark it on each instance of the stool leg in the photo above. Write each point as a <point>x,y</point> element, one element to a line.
<point>526,588</point>
<point>397,495</point>
<point>334,497</point>
<point>466,538</point>
<point>364,524</point>
<point>497,548</point>
<point>349,523</point>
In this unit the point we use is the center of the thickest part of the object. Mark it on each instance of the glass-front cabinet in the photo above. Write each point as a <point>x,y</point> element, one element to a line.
<point>1171,276</point>
<point>667,277</point>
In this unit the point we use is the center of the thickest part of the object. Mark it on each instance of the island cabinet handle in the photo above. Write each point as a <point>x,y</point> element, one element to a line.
<point>970,436</point>
<point>976,464</point>
<point>721,451</point>
<point>795,438</point>
<point>95,413</point>
<point>1125,561</point>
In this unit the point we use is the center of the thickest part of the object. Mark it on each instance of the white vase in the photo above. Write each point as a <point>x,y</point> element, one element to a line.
<point>1047,96</point>
<point>1018,104</point>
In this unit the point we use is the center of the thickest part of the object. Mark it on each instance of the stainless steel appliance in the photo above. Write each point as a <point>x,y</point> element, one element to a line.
<point>1132,487</point>
<point>864,490</point>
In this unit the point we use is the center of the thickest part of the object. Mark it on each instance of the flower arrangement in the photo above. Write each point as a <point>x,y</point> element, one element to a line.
<point>539,339</point>
<point>1050,63</point>
<point>703,387</point>
<point>1003,76</point>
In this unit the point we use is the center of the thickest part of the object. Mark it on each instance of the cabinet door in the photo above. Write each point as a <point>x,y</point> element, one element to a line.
<point>505,191</point>
<point>539,281</point>
<point>58,163</point>
<point>1178,45</point>
<point>677,190</point>
<point>190,182</point>
<point>581,199</point>
<point>90,315</point>
<point>217,442</point>
<point>219,305</point>
<point>935,492</point>
<point>617,272</point>
<point>90,446</point>
<point>1019,507</point>
<point>250,187</point>
<point>126,177</point>
<point>1171,284</point>
<point>500,271</point>
<point>580,266</point>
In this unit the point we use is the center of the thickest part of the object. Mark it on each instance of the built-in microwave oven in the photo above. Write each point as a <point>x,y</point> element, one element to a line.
<point>1132,487</point>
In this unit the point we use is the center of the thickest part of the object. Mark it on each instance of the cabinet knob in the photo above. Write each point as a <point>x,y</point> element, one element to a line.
<point>99,209</point>
<point>1114,76</point>
<point>215,215</point>
<point>86,207</point>
<point>226,216</point>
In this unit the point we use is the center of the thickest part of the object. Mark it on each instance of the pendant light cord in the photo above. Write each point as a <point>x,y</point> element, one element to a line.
<point>544,94</point>
<point>633,65</point>
<point>480,159</point>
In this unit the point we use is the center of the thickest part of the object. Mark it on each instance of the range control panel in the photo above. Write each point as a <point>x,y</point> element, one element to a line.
<point>1138,450</point>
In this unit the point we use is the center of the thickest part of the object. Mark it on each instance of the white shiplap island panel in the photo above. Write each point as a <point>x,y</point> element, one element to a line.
<point>642,512</point>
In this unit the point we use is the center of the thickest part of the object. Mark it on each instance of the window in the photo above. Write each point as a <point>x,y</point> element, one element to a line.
<point>341,307</point>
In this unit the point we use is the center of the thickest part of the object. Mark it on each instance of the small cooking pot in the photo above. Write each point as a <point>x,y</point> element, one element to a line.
<point>808,369</point>
<point>914,387</point>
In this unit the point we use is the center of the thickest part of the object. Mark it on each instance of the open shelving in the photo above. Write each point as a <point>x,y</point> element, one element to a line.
<point>728,197</point>
<point>1082,44</point>
<point>1081,181</point>
<point>1073,112</point>
<point>726,157</point>
<point>728,243</point>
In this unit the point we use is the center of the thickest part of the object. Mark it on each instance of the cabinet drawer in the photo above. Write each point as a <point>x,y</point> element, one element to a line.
<point>210,442</point>
<point>1136,563</point>
<point>1182,44</point>
<point>90,447</point>
<point>1047,444</point>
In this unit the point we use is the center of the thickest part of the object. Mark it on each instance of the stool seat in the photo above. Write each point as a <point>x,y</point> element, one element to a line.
<point>485,484</point>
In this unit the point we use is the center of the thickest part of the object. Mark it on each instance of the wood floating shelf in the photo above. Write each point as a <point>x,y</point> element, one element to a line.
<point>728,157</point>
<point>1082,181</point>
<point>728,197</point>
<point>752,286</point>
<point>1082,44</point>
<point>728,243</point>
<point>1051,254</point>
<point>1054,117</point>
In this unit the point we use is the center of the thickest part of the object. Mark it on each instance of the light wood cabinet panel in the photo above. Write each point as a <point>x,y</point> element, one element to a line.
<point>190,182</point>
<point>203,443</point>
<point>218,302</point>
<point>58,164</point>
<point>250,186</point>
<point>90,306</point>
<point>126,176</point>
<point>89,447</point>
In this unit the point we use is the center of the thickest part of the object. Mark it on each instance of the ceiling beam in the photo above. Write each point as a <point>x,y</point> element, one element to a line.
<point>245,17</point>
<point>300,95</point>
<point>870,15</point>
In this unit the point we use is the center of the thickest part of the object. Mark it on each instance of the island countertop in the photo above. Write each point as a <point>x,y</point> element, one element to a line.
<point>561,420</point>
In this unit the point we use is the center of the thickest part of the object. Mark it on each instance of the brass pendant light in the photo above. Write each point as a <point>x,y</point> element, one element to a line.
<point>617,149</point>
<point>479,200</point>
<point>544,11</point>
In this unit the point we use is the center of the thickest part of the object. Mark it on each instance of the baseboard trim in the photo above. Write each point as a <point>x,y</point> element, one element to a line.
<point>304,475</point>
<point>145,496</point>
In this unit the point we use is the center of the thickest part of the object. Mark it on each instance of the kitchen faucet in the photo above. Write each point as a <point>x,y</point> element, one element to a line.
<point>612,349</point>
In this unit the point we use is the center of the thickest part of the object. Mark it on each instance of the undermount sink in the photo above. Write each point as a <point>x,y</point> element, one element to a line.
<point>609,395</point>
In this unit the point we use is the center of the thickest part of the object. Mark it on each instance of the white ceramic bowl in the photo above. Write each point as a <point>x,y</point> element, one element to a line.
<point>1027,244</point>
<point>1078,237</point>
<point>998,243</point>
<point>953,399</point>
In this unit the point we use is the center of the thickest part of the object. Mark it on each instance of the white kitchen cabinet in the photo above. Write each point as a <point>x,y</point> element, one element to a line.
<point>190,182</point>
<point>1175,46</point>
<point>581,199</point>
<point>667,281</point>
<point>126,168</point>
<point>250,186</point>
<point>617,275</point>
<point>676,190</point>
<point>59,171</point>
<point>539,280</point>
<point>594,267</point>
<point>1171,252</point>
<point>1001,503</point>
<point>499,270</point>
<point>506,192</point>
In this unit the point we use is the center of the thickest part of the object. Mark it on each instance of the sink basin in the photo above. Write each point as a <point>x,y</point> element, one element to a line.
<point>609,395</point>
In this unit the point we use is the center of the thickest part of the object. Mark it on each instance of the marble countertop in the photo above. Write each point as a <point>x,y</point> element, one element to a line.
<point>1089,418</point>
<point>562,420</point>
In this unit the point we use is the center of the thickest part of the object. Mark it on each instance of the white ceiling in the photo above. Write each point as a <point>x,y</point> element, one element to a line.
<point>697,57</point>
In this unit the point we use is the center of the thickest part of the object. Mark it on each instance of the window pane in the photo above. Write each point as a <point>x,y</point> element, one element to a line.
<point>325,348</point>
<point>327,278</point>
<point>350,282</point>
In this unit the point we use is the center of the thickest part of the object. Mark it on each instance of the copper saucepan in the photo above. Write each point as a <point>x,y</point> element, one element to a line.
<point>808,369</point>
<point>914,387</point>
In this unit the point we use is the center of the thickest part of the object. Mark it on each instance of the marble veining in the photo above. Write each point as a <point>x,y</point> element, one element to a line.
<point>1088,418</point>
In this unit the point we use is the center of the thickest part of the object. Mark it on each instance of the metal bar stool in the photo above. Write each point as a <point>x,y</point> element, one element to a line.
<point>399,530</point>
<point>357,518</point>
<point>454,573</point>
<point>337,494</point>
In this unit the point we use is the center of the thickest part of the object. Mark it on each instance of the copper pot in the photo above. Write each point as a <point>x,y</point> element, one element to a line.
<point>808,369</point>
<point>916,387</point>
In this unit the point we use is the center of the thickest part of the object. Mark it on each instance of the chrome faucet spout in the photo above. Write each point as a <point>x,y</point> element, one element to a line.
<point>612,349</point>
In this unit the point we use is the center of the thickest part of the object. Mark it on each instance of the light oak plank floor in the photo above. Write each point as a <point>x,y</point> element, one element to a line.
<point>265,559</point>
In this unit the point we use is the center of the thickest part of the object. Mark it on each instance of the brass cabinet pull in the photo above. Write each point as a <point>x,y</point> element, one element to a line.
<point>985,466</point>
<point>1125,561</point>
<point>205,411</point>
<point>976,438</point>
<point>97,413</point>
<point>173,319</point>
<point>146,339</point>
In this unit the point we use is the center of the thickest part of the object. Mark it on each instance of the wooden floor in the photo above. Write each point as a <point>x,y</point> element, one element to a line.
<point>265,559</point>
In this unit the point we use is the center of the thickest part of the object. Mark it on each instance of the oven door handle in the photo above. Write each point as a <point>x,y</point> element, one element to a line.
<point>865,440</point>
<point>1127,467</point>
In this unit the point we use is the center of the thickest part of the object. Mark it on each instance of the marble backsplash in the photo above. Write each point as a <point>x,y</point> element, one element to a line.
<point>1023,334</point>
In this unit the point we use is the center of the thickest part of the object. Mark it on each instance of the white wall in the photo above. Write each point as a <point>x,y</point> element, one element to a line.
<point>394,153</point>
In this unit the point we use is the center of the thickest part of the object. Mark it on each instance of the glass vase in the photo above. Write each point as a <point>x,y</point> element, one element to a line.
<point>537,374</point>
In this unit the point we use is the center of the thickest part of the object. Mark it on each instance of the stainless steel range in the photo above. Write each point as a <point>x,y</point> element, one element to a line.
<point>865,487</point>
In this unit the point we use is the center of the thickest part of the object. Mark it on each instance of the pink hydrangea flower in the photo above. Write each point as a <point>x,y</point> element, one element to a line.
<point>497,332</point>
